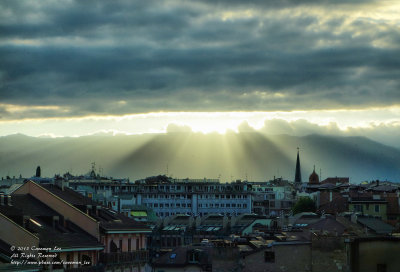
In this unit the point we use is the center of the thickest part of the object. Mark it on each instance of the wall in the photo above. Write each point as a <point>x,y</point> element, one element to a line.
<point>125,238</point>
<point>329,254</point>
<point>369,209</point>
<point>15,235</point>
<point>372,253</point>
<point>288,258</point>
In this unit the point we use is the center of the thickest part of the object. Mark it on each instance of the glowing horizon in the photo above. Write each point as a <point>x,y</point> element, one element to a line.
<point>366,122</point>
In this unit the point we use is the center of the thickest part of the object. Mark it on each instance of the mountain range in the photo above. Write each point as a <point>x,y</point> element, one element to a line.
<point>252,156</point>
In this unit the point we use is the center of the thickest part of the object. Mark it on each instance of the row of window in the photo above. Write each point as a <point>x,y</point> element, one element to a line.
<point>169,205</point>
<point>187,196</point>
<point>167,196</point>
<point>223,196</point>
<point>188,205</point>
<point>162,214</point>
<point>222,205</point>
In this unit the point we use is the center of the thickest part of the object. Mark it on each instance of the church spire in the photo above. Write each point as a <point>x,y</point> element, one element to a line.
<point>297,178</point>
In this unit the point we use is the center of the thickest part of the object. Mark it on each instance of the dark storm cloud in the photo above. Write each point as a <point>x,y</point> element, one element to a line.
<point>101,57</point>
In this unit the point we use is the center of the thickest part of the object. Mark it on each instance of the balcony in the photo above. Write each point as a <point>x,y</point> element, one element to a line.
<point>134,257</point>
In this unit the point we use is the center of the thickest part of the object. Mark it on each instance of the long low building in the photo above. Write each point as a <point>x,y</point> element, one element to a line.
<point>166,198</point>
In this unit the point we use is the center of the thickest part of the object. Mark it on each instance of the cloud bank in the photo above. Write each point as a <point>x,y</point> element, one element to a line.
<point>79,58</point>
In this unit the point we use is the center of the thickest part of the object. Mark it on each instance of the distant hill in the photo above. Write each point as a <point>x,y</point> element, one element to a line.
<point>231,156</point>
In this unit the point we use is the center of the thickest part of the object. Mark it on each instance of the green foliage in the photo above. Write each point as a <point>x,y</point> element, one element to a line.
<point>304,204</point>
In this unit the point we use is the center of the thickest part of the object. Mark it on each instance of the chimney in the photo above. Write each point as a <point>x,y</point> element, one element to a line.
<point>353,218</point>
<point>55,221</point>
<point>25,221</point>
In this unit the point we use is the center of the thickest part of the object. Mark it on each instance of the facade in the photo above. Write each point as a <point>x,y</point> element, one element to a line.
<point>195,197</point>
<point>272,200</point>
<point>374,206</point>
<point>370,254</point>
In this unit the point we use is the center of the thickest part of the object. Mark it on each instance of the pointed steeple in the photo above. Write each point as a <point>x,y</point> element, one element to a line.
<point>297,177</point>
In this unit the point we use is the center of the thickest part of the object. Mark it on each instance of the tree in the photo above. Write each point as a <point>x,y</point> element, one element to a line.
<point>38,172</point>
<point>304,204</point>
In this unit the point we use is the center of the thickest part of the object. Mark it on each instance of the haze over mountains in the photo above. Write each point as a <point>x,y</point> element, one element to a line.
<point>230,156</point>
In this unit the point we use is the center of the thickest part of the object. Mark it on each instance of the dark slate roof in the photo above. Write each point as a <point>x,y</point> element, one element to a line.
<point>376,225</point>
<point>29,205</point>
<point>336,180</point>
<point>179,257</point>
<point>65,238</point>
<point>10,211</point>
<point>384,188</point>
<point>328,186</point>
<point>328,224</point>
<point>109,220</point>
<point>69,195</point>
<point>70,237</point>
<point>112,221</point>
<point>5,251</point>
<point>337,205</point>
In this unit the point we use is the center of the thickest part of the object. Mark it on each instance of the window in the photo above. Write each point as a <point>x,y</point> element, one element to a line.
<point>120,245</point>
<point>358,208</point>
<point>129,245</point>
<point>377,208</point>
<point>269,256</point>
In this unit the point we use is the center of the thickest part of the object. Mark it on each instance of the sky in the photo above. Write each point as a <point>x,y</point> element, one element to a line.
<point>73,68</point>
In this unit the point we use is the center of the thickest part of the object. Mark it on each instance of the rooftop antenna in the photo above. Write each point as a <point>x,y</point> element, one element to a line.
<point>167,169</point>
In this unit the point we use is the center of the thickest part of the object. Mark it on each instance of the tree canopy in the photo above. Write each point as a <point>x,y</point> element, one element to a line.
<point>304,204</point>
